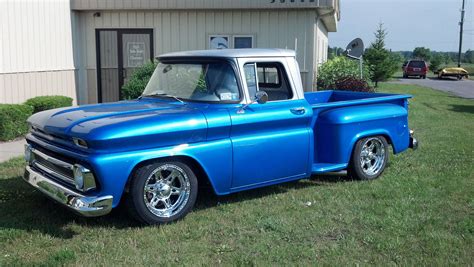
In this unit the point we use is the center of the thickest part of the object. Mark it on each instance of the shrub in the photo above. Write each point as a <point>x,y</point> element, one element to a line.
<point>13,120</point>
<point>353,84</point>
<point>138,80</point>
<point>340,68</point>
<point>41,103</point>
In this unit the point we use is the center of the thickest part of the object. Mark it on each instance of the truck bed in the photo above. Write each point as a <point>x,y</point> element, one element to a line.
<point>345,98</point>
<point>340,118</point>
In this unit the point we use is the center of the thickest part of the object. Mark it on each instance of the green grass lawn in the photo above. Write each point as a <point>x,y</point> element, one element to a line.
<point>420,212</point>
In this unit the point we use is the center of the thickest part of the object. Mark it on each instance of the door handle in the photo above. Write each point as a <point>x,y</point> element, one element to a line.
<point>298,111</point>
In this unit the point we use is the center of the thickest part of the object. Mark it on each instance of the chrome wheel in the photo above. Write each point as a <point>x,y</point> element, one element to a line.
<point>372,156</point>
<point>166,190</point>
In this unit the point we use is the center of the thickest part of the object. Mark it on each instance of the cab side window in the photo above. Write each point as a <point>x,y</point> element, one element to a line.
<point>273,80</point>
<point>269,77</point>
<point>251,79</point>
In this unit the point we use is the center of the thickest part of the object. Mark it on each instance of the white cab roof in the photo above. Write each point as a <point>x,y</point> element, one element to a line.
<point>234,53</point>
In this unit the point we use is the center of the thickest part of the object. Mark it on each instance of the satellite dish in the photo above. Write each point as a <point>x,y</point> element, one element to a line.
<point>355,49</point>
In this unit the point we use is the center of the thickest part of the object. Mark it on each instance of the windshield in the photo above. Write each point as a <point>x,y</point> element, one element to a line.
<point>215,82</point>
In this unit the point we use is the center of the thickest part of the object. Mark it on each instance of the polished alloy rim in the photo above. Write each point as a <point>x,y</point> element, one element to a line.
<point>372,156</point>
<point>166,190</point>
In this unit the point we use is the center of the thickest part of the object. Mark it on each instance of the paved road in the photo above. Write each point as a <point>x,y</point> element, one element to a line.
<point>13,149</point>
<point>463,88</point>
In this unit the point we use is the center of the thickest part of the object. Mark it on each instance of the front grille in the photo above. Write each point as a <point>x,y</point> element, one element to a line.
<point>54,167</point>
<point>61,170</point>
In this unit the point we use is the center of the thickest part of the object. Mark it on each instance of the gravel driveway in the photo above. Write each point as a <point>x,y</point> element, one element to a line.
<point>463,88</point>
<point>11,149</point>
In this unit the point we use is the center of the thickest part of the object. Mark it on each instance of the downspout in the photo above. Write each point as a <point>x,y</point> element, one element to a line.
<point>315,54</point>
<point>316,43</point>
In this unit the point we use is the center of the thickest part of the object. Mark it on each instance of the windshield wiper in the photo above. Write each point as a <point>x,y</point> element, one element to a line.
<point>162,95</point>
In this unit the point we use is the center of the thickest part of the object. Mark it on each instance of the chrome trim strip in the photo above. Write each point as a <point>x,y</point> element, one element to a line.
<point>54,173</point>
<point>84,205</point>
<point>52,160</point>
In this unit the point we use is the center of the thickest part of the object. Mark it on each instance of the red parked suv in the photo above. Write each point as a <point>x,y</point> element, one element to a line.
<point>415,68</point>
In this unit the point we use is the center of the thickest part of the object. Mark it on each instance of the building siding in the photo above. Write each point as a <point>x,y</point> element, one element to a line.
<point>18,87</point>
<point>198,4</point>
<point>320,49</point>
<point>35,50</point>
<point>49,46</point>
<point>190,30</point>
<point>322,45</point>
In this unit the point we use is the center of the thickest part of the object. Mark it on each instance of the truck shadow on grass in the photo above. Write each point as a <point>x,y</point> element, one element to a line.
<point>463,108</point>
<point>207,198</point>
<point>22,208</point>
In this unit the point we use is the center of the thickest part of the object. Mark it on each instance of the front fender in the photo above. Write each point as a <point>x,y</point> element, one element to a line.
<point>114,170</point>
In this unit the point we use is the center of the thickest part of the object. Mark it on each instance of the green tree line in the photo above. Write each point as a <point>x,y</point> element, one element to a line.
<point>425,53</point>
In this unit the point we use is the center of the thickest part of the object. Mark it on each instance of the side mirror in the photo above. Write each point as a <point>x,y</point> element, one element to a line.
<point>261,97</point>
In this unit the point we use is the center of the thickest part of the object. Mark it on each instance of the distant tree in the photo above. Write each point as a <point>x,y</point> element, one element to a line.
<point>331,53</point>
<point>382,63</point>
<point>422,53</point>
<point>446,58</point>
<point>469,56</point>
<point>399,57</point>
<point>406,54</point>
<point>453,56</point>
<point>334,52</point>
<point>339,51</point>
<point>436,61</point>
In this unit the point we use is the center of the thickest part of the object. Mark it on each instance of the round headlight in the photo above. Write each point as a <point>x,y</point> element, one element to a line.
<point>78,176</point>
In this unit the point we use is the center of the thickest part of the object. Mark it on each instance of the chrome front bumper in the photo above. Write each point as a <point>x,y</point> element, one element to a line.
<point>84,205</point>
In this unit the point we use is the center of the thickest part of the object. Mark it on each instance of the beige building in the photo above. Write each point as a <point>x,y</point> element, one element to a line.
<point>87,49</point>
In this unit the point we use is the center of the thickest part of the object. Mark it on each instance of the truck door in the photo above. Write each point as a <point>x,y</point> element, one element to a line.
<point>271,141</point>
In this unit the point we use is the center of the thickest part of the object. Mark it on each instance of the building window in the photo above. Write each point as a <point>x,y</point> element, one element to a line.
<point>219,42</point>
<point>223,41</point>
<point>243,41</point>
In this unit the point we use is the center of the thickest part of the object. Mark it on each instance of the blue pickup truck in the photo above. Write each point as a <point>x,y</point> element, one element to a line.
<point>234,119</point>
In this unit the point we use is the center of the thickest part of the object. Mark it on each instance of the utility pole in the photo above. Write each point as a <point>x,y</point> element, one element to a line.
<point>460,34</point>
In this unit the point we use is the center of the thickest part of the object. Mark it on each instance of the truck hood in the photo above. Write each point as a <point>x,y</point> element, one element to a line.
<point>125,125</point>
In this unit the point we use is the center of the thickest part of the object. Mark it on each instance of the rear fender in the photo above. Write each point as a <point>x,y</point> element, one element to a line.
<point>338,130</point>
<point>370,133</point>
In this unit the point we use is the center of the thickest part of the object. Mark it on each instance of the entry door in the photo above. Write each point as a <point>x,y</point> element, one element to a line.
<point>119,53</point>
<point>270,141</point>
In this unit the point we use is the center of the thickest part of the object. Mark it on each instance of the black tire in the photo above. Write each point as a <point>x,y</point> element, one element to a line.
<point>136,198</point>
<point>405,76</point>
<point>359,172</point>
<point>424,76</point>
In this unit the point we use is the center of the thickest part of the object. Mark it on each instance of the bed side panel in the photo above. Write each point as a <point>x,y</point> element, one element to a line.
<point>337,130</point>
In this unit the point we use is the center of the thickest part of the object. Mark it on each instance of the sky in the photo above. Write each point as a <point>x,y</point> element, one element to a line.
<point>410,23</point>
